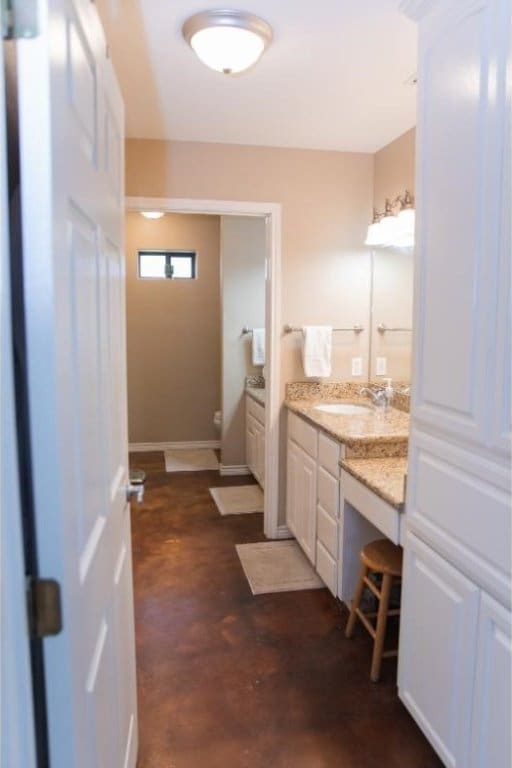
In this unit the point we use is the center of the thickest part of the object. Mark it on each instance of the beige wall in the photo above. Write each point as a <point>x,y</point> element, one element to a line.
<point>242,253</point>
<point>393,269</point>
<point>326,200</point>
<point>173,333</point>
<point>394,169</point>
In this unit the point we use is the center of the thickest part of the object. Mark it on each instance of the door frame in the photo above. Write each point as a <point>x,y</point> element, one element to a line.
<point>271,212</point>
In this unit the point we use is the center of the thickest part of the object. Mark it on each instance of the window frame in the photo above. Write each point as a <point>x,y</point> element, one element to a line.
<point>169,254</point>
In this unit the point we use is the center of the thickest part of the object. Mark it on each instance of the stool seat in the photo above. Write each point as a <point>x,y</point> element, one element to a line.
<point>382,556</point>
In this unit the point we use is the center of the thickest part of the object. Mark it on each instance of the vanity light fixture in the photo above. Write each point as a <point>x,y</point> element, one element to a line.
<point>227,41</point>
<point>152,214</point>
<point>389,229</point>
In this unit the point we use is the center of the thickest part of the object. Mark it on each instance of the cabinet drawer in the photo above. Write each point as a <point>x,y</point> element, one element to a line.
<point>303,433</point>
<point>326,567</point>
<point>328,492</point>
<point>329,454</point>
<point>380,514</point>
<point>255,409</point>
<point>327,531</point>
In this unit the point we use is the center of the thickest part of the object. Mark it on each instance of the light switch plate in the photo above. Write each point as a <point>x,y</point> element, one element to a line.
<point>357,366</point>
<point>381,366</point>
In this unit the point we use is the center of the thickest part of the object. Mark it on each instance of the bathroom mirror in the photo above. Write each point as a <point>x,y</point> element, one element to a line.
<point>391,313</point>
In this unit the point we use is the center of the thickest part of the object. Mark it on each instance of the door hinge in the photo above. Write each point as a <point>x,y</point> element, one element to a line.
<point>19,19</point>
<point>44,607</point>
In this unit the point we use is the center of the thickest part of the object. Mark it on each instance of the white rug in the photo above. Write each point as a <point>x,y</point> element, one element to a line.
<point>238,499</point>
<point>277,566</point>
<point>190,460</point>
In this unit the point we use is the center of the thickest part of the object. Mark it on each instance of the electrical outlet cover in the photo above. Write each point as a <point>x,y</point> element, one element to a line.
<point>357,366</point>
<point>381,366</point>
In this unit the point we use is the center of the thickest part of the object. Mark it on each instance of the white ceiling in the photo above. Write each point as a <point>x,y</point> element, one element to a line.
<point>333,77</point>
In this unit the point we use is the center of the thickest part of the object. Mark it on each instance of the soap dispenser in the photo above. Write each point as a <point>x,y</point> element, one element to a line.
<point>388,390</point>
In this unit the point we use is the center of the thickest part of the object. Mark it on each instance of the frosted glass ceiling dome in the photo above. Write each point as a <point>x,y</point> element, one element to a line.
<point>227,41</point>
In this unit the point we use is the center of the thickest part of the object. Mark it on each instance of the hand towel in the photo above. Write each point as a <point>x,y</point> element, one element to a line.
<point>316,350</point>
<point>258,346</point>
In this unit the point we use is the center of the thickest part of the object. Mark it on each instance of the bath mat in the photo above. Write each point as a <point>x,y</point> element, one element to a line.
<point>190,460</point>
<point>277,566</point>
<point>238,499</point>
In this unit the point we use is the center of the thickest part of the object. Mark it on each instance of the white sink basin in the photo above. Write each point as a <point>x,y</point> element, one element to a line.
<point>342,408</point>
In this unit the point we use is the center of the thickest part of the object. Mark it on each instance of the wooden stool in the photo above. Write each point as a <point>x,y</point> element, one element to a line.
<point>382,557</point>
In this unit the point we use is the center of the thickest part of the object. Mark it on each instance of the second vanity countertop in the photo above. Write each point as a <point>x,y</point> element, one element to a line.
<point>390,430</point>
<point>257,393</point>
<point>383,476</point>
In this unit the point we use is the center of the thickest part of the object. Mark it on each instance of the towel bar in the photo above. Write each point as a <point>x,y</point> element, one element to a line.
<point>354,328</point>
<point>382,328</point>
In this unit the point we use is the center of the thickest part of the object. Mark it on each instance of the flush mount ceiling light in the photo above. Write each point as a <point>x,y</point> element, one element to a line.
<point>227,41</point>
<point>152,214</point>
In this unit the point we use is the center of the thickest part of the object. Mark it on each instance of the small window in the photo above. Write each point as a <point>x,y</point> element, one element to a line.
<point>171,265</point>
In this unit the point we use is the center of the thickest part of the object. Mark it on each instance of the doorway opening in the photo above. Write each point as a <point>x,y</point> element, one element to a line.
<point>270,214</point>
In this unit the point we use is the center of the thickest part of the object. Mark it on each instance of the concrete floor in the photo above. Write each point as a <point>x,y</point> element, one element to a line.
<point>228,680</point>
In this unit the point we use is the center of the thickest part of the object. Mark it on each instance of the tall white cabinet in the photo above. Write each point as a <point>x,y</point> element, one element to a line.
<point>455,644</point>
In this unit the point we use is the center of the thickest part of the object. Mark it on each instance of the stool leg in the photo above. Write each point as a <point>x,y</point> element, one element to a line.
<point>356,601</point>
<point>380,630</point>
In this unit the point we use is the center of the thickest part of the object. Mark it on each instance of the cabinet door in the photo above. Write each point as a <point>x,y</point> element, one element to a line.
<point>437,650</point>
<point>462,255</point>
<point>292,486</point>
<point>307,506</point>
<point>260,453</point>
<point>490,731</point>
<point>251,444</point>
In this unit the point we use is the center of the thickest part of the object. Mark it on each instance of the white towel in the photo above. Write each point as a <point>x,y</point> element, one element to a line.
<point>316,350</point>
<point>258,346</point>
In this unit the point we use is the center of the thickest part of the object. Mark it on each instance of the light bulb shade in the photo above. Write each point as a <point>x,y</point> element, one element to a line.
<point>406,219</point>
<point>388,229</point>
<point>374,235</point>
<point>227,41</point>
<point>152,214</point>
<point>404,240</point>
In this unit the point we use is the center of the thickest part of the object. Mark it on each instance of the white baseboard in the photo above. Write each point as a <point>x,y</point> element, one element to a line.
<point>193,444</point>
<point>283,532</point>
<point>235,469</point>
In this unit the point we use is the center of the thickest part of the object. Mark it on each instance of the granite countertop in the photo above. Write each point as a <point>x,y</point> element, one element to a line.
<point>357,430</point>
<point>257,393</point>
<point>385,477</point>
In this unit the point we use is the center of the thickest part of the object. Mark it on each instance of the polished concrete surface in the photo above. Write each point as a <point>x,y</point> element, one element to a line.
<point>228,680</point>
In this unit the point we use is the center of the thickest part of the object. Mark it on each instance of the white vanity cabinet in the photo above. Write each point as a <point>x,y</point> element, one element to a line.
<point>455,647</point>
<point>490,720</point>
<point>330,531</point>
<point>438,649</point>
<point>312,500</point>
<point>255,438</point>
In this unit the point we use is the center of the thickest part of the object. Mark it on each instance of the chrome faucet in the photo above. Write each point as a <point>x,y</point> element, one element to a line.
<point>376,394</point>
<point>382,396</point>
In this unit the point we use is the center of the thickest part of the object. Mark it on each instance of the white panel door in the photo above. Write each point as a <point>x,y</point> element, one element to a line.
<point>72,176</point>
<point>490,730</point>
<point>438,627</point>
